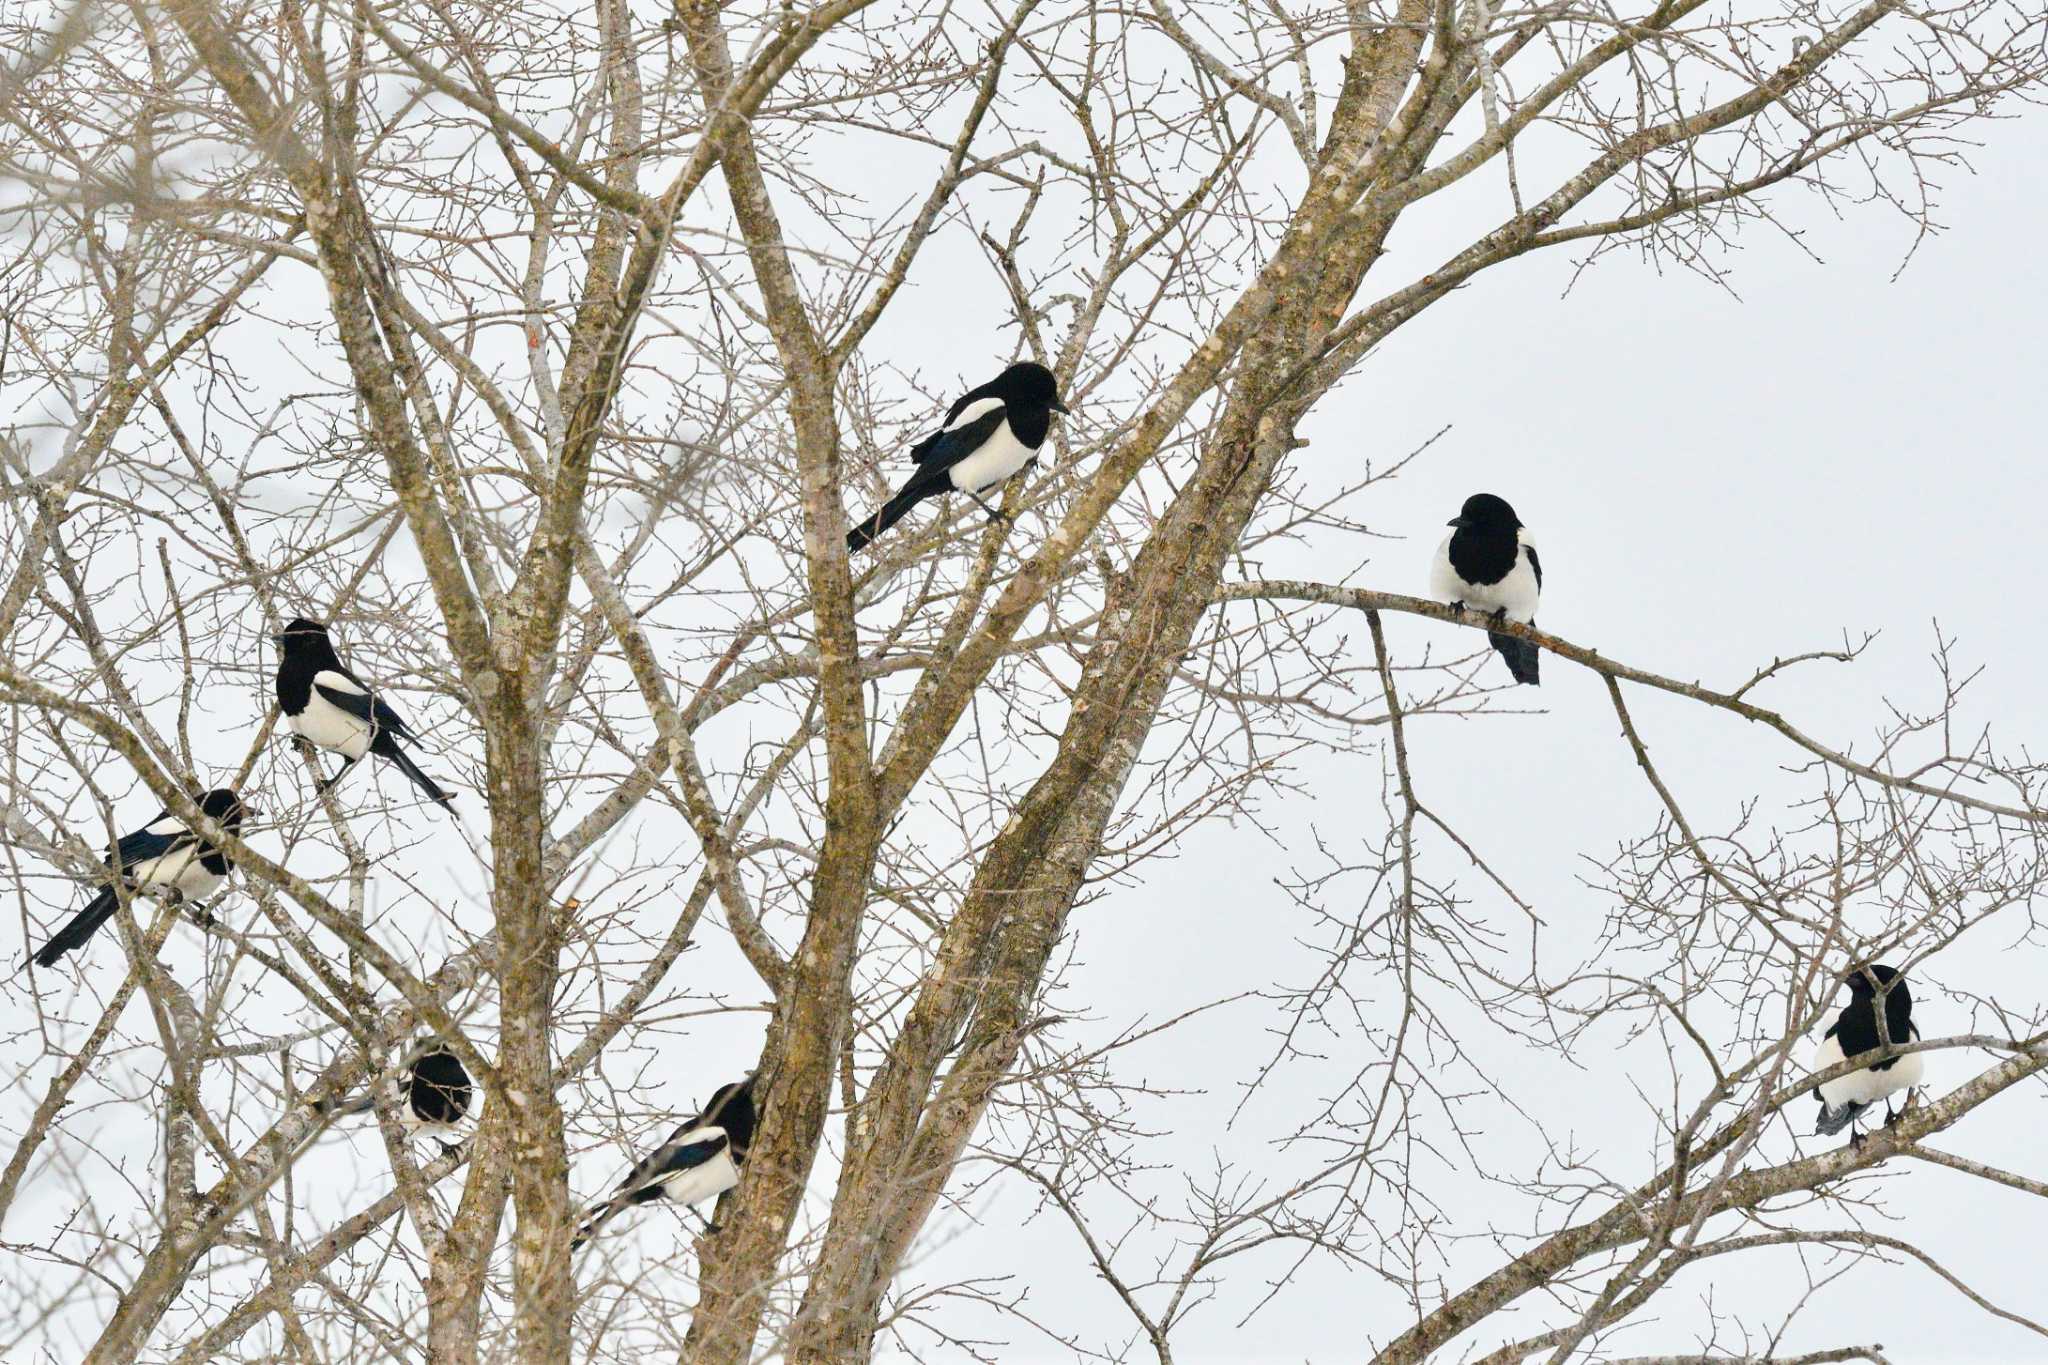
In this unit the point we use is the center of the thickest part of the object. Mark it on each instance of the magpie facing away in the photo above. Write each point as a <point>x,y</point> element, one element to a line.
<point>333,709</point>
<point>437,1094</point>
<point>700,1161</point>
<point>163,855</point>
<point>1488,562</point>
<point>1855,1032</point>
<point>990,433</point>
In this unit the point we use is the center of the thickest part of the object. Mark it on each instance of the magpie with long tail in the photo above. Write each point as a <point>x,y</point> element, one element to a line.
<point>165,855</point>
<point>701,1160</point>
<point>332,709</point>
<point>990,433</point>
<point>1855,1032</point>
<point>1488,563</point>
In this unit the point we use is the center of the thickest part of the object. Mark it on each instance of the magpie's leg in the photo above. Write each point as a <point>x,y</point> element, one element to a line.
<point>450,1148</point>
<point>1856,1139</point>
<point>705,1218</point>
<point>1890,1119</point>
<point>202,917</point>
<point>1500,613</point>
<point>993,514</point>
<point>327,784</point>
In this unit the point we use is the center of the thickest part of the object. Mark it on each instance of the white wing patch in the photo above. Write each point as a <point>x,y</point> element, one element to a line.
<point>972,411</point>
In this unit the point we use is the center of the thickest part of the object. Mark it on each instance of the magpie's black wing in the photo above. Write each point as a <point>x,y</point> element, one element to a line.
<point>676,1155</point>
<point>147,843</point>
<point>944,449</point>
<point>368,706</point>
<point>921,451</point>
<point>1535,564</point>
<point>694,1153</point>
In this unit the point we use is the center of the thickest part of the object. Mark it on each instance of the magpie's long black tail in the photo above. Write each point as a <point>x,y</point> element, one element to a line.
<point>890,512</point>
<point>599,1216</point>
<point>343,1109</point>
<point>412,770</point>
<point>83,926</point>
<point>1520,655</point>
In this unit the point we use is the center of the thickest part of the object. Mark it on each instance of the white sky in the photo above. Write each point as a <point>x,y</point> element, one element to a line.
<point>1714,482</point>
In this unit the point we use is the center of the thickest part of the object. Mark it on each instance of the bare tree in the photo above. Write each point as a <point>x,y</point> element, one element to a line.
<point>565,446</point>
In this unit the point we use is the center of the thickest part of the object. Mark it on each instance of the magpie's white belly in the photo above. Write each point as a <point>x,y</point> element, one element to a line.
<point>418,1127</point>
<point>179,870</point>
<point>1000,456</point>
<point>331,728</point>
<point>699,1183</point>
<point>1518,592</point>
<point>1866,1086</point>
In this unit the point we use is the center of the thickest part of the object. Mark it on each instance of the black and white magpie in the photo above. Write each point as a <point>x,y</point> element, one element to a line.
<point>701,1160</point>
<point>333,709</point>
<point>1488,563</point>
<point>437,1093</point>
<point>164,855</point>
<point>990,433</point>
<point>1853,1033</point>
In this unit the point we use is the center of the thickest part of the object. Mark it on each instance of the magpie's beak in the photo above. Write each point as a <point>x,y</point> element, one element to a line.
<point>1458,522</point>
<point>1058,406</point>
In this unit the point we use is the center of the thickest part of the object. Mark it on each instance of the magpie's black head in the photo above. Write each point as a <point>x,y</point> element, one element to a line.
<point>1485,512</point>
<point>224,807</point>
<point>304,636</point>
<point>308,641</point>
<point>730,1100</point>
<point>732,1108</point>
<point>1029,385</point>
<point>437,1059</point>
<point>1868,980</point>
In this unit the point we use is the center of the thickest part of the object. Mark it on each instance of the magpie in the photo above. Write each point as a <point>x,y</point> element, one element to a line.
<point>701,1160</point>
<point>437,1095</point>
<point>990,433</point>
<point>333,709</point>
<point>164,855</point>
<point>1489,562</point>
<point>1853,1033</point>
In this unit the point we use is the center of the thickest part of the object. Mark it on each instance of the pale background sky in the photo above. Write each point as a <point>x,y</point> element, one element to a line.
<point>1714,480</point>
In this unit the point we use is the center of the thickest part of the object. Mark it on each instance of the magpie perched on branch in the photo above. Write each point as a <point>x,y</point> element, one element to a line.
<point>1854,1032</point>
<point>990,433</point>
<point>437,1094</point>
<point>332,709</point>
<point>164,855</point>
<point>1488,563</point>
<point>701,1160</point>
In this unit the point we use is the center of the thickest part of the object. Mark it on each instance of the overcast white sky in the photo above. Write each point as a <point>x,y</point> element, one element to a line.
<point>1715,481</point>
